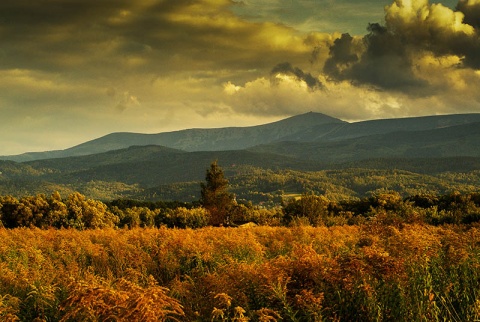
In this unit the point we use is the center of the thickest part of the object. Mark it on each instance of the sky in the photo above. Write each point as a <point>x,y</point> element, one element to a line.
<point>75,70</point>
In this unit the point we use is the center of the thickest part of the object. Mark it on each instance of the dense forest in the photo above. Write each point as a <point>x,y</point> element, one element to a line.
<point>258,185</point>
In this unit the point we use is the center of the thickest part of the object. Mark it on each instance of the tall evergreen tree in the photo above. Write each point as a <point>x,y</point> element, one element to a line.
<point>215,196</point>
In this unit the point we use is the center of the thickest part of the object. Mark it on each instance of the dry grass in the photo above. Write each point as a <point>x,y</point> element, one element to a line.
<point>369,273</point>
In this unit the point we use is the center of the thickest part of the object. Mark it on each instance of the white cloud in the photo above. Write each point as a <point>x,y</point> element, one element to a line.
<point>347,101</point>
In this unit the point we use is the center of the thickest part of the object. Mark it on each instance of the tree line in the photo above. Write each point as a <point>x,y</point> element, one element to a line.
<point>79,212</point>
<point>219,207</point>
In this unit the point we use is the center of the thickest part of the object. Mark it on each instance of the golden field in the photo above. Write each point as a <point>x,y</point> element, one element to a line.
<point>369,272</point>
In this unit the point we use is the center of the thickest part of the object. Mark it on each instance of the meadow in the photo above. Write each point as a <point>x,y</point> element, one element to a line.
<point>365,272</point>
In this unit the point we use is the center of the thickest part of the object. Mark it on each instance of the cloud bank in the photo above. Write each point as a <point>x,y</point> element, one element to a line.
<point>390,55</point>
<point>424,59</point>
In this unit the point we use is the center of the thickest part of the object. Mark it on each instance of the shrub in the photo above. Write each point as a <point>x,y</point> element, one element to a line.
<point>187,218</point>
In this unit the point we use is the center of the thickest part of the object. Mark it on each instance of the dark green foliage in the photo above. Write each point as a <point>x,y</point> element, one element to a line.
<point>311,207</point>
<point>215,196</point>
<point>130,203</point>
<point>187,218</point>
<point>155,173</point>
<point>384,207</point>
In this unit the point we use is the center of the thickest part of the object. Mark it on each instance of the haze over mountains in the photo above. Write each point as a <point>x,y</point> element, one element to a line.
<point>171,164</point>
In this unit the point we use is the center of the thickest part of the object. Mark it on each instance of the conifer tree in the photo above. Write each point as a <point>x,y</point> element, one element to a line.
<point>215,196</point>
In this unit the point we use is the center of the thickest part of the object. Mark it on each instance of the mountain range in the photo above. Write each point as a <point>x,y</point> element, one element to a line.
<point>130,164</point>
<point>309,127</point>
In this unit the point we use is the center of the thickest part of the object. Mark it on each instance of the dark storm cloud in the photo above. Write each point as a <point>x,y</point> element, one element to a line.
<point>342,55</point>
<point>389,55</point>
<point>385,62</point>
<point>471,10</point>
<point>52,35</point>
<point>92,36</point>
<point>471,47</point>
<point>287,69</point>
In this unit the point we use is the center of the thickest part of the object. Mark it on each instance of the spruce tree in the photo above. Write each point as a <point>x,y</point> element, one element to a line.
<point>215,196</point>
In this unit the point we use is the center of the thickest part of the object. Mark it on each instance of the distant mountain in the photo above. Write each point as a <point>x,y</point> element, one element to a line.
<point>309,127</point>
<point>383,126</point>
<point>444,142</point>
<point>221,139</point>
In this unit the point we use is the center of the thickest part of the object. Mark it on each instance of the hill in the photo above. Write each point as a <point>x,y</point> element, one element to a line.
<point>383,126</point>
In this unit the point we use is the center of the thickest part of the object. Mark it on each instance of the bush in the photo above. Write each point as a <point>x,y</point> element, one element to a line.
<point>187,218</point>
<point>313,208</point>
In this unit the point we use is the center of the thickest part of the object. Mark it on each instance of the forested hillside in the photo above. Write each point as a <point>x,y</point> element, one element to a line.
<point>259,178</point>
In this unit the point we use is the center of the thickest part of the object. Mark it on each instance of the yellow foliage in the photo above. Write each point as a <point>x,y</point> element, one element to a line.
<point>229,274</point>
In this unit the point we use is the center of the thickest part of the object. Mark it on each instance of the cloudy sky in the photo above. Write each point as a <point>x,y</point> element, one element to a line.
<point>74,70</point>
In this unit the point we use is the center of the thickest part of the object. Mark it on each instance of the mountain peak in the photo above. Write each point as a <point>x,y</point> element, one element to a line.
<point>310,119</point>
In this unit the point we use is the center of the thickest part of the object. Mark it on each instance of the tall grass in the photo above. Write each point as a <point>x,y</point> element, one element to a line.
<point>371,272</point>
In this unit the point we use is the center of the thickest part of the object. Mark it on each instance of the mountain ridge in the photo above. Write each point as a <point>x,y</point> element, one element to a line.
<point>307,127</point>
<point>195,139</point>
<point>452,141</point>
